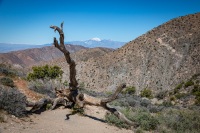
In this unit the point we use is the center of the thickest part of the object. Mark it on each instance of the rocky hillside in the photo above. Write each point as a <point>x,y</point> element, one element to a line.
<point>158,60</point>
<point>80,57</point>
<point>30,57</point>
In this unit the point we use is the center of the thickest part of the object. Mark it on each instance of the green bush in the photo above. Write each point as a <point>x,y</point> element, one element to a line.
<point>41,72</point>
<point>178,87</point>
<point>129,90</point>
<point>7,71</point>
<point>189,83</point>
<point>196,90</point>
<point>145,120</point>
<point>113,120</point>
<point>65,83</point>
<point>167,103</point>
<point>180,121</point>
<point>180,95</point>
<point>172,98</point>
<point>140,116</point>
<point>196,93</point>
<point>7,81</point>
<point>146,93</point>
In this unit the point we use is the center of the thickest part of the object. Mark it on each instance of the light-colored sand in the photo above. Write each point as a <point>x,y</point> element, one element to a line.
<point>54,122</point>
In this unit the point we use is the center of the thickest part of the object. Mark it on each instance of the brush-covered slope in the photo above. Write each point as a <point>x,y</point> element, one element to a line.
<point>159,59</point>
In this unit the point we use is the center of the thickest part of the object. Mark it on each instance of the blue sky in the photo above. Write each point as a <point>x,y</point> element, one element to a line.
<point>28,21</point>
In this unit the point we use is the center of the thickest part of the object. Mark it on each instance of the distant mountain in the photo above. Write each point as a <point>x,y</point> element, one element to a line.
<point>97,42</point>
<point>7,47</point>
<point>91,43</point>
<point>33,56</point>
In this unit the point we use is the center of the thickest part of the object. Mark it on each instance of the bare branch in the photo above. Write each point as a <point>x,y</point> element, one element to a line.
<point>72,66</point>
<point>82,99</point>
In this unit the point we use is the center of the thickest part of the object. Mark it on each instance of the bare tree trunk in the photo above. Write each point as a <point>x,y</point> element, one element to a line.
<point>72,66</point>
<point>72,95</point>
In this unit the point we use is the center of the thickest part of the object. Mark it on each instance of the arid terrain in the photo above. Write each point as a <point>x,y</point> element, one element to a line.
<point>161,70</point>
<point>54,122</point>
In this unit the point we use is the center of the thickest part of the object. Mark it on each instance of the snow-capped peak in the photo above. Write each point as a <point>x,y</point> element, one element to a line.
<point>96,39</point>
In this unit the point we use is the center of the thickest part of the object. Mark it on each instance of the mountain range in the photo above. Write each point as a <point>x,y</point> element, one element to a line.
<point>33,56</point>
<point>8,47</point>
<point>91,43</point>
<point>159,60</point>
<point>97,42</point>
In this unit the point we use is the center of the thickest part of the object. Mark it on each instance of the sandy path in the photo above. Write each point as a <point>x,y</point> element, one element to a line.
<point>54,122</point>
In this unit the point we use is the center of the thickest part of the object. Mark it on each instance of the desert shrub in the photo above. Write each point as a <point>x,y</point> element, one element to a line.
<point>145,120</point>
<point>180,121</point>
<point>133,102</point>
<point>41,72</point>
<point>65,83</point>
<point>196,93</point>
<point>120,102</point>
<point>7,71</point>
<point>172,98</point>
<point>7,81</point>
<point>167,103</point>
<point>145,102</point>
<point>140,116</point>
<point>48,106</point>
<point>43,87</point>
<point>195,76</point>
<point>161,94</point>
<point>13,101</point>
<point>154,109</point>
<point>188,83</point>
<point>178,87</point>
<point>82,85</point>
<point>146,93</point>
<point>113,120</point>
<point>196,90</point>
<point>129,90</point>
<point>109,93</point>
<point>180,95</point>
<point>77,110</point>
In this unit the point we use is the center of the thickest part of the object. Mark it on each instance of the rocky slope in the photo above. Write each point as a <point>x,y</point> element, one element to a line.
<point>30,57</point>
<point>80,57</point>
<point>158,60</point>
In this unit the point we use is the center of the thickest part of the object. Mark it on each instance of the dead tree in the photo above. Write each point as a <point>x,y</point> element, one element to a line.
<point>72,95</point>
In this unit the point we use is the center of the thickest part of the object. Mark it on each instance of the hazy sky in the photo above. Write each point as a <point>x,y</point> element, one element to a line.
<point>28,21</point>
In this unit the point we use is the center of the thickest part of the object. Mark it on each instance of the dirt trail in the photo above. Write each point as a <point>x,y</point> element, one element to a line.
<point>54,122</point>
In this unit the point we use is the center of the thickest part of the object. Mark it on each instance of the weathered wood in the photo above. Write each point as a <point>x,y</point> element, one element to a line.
<point>72,95</point>
<point>39,104</point>
<point>72,66</point>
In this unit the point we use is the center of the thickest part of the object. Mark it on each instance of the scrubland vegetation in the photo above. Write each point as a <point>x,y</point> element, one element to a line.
<point>165,115</point>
